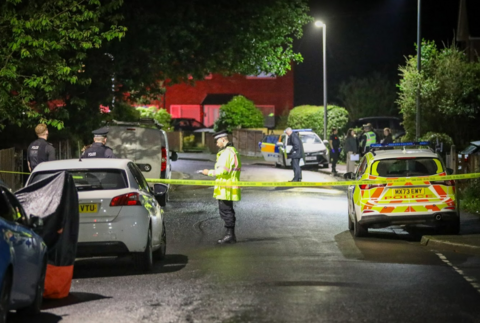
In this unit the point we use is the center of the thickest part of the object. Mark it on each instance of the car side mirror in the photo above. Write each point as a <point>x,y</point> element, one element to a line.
<point>173,155</point>
<point>449,171</point>
<point>160,193</point>
<point>349,175</point>
<point>325,142</point>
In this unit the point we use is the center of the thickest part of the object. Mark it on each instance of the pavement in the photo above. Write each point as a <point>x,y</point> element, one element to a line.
<point>467,242</point>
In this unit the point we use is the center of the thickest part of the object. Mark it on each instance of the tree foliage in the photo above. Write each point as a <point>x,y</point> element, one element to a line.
<point>312,117</point>
<point>449,88</point>
<point>239,113</point>
<point>43,47</point>
<point>370,96</point>
<point>160,115</point>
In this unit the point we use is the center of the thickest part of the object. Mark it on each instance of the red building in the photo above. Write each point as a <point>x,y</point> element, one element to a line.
<point>202,101</point>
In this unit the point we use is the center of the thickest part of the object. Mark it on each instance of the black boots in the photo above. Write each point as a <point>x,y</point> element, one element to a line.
<point>229,237</point>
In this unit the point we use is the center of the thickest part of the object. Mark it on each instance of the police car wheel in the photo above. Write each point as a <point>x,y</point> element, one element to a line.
<point>143,261</point>
<point>358,229</point>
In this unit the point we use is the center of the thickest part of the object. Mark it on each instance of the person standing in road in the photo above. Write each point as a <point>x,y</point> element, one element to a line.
<point>295,154</point>
<point>351,148</point>
<point>227,170</point>
<point>334,149</point>
<point>368,138</point>
<point>98,149</point>
<point>40,150</point>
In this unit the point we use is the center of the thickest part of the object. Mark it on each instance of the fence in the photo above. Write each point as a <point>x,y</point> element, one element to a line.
<point>246,142</point>
<point>12,161</point>
<point>462,164</point>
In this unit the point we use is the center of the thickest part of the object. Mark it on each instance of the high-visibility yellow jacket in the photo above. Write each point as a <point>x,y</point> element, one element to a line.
<point>227,169</point>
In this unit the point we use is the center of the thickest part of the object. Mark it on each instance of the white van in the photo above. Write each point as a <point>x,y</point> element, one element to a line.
<point>144,143</point>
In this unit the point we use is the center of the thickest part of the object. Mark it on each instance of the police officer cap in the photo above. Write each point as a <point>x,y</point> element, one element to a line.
<point>102,132</point>
<point>220,134</point>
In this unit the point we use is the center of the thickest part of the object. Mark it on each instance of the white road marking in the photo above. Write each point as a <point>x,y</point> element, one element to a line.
<point>470,280</point>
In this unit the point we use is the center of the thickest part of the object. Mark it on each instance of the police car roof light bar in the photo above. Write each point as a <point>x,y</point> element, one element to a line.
<point>401,144</point>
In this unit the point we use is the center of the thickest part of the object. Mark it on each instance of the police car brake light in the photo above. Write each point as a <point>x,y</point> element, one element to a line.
<point>401,144</point>
<point>126,200</point>
<point>369,186</point>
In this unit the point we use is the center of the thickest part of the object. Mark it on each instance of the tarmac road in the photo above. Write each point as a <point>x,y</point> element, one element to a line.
<point>295,261</point>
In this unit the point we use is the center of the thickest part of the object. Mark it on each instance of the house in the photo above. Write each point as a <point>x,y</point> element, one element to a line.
<point>271,94</point>
<point>468,30</point>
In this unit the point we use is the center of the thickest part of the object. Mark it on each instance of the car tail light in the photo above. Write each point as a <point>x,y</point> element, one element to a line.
<point>369,186</point>
<point>126,199</point>
<point>164,159</point>
<point>449,208</point>
<point>446,183</point>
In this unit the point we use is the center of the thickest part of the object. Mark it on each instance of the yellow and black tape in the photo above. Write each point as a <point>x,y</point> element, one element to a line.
<point>412,180</point>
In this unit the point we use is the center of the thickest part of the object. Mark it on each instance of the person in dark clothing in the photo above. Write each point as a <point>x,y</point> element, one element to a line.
<point>388,139</point>
<point>334,149</point>
<point>295,154</point>
<point>98,148</point>
<point>40,150</point>
<point>351,144</point>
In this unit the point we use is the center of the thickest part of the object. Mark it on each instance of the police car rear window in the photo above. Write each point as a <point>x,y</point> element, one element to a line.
<point>407,167</point>
<point>92,179</point>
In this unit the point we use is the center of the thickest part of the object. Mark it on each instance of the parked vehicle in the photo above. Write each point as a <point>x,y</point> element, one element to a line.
<point>23,260</point>
<point>403,203</point>
<point>380,123</point>
<point>186,124</point>
<point>119,212</point>
<point>144,143</point>
<point>472,149</point>
<point>274,148</point>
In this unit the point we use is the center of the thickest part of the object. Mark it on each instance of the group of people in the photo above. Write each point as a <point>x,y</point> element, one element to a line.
<point>41,150</point>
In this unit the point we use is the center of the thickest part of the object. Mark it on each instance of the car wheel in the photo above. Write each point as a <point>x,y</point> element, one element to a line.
<point>325,165</point>
<point>162,251</point>
<point>36,306</point>
<point>5,289</point>
<point>358,229</point>
<point>143,261</point>
<point>277,165</point>
<point>350,223</point>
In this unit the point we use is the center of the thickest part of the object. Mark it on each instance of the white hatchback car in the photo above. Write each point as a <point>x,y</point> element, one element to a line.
<point>119,212</point>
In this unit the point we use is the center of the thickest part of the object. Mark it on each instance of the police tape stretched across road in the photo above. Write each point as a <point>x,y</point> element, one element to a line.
<point>412,180</point>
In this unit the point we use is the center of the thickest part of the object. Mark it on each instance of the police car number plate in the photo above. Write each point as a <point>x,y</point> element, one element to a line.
<point>311,158</point>
<point>407,191</point>
<point>88,208</point>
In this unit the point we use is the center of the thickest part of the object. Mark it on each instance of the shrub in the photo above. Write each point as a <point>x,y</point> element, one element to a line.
<point>239,113</point>
<point>160,115</point>
<point>470,196</point>
<point>124,112</point>
<point>442,138</point>
<point>311,117</point>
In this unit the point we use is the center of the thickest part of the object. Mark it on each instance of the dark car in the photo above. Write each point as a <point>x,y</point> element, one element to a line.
<point>186,124</point>
<point>380,123</point>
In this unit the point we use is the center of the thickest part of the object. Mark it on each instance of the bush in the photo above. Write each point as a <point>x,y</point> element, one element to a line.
<point>442,138</point>
<point>311,117</point>
<point>160,115</point>
<point>124,112</point>
<point>239,113</point>
<point>470,196</point>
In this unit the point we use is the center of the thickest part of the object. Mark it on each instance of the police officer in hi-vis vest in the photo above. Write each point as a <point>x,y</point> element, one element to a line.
<point>368,138</point>
<point>227,170</point>
<point>98,148</point>
<point>40,150</point>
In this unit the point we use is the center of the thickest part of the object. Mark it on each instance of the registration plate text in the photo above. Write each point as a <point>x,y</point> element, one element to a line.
<point>407,191</point>
<point>88,208</point>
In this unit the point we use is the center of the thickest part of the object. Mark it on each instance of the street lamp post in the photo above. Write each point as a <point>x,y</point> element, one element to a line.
<point>419,67</point>
<point>320,24</point>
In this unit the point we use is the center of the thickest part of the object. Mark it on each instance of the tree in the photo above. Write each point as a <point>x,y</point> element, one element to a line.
<point>449,93</point>
<point>43,47</point>
<point>239,113</point>
<point>370,96</point>
<point>311,117</point>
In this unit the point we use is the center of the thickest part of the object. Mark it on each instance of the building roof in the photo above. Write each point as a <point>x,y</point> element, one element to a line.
<point>218,99</point>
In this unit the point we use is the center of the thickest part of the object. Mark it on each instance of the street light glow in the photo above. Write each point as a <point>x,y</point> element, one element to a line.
<point>319,24</point>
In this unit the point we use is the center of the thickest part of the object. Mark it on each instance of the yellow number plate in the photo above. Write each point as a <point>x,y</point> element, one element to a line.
<point>407,191</point>
<point>88,208</point>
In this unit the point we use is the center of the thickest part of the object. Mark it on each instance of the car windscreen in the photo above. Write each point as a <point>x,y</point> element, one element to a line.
<point>407,167</point>
<point>469,150</point>
<point>310,138</point>
<point>91,179</point>
<point>270,139</point>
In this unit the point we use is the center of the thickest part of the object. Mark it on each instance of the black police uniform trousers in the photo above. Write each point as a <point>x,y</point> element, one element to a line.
<point>297,170</point>
<point>335,157</point>
<point>227,213</point>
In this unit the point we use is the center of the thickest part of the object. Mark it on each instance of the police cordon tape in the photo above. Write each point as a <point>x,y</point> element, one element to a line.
<point>412,180</point>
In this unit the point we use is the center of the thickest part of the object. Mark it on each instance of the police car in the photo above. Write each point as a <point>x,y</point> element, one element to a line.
<point>119,213</point>
<point>274,148</point>
<point>401,203</point>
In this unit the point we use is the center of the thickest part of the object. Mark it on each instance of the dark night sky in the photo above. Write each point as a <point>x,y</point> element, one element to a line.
<point>364,36</point>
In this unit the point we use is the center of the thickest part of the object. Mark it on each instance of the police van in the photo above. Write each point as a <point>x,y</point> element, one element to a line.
<point>145,143</point>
